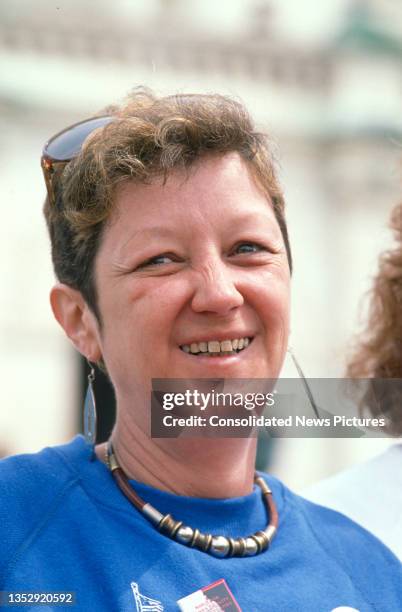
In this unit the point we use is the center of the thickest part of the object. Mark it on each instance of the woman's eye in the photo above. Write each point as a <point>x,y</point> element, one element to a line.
<point>158,260</point>
<point>248,247</point>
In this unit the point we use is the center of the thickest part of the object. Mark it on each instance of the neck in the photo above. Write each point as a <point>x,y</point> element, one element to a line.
<point>196,467</point>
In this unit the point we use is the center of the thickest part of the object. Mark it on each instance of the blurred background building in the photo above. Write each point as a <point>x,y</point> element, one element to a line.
<point>323,79</point>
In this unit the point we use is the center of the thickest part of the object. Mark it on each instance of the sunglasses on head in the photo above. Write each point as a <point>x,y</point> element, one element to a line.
<point>65,146</point>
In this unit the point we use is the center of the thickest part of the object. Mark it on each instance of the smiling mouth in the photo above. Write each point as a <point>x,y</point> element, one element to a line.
<point>216,348</point>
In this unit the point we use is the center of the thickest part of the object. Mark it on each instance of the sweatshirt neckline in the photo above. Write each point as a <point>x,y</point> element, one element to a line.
<point>235,516</point>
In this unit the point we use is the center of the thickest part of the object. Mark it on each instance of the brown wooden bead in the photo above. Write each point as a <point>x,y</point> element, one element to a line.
<point>176,528</point>
<point>194,541</point>
<point>241,542</point>
<point>167,524</point>
<point>208,542</point>
<point>203,541</point>
<point>264,537</point>
<point>261,540</point>
<point>232,547</point>
<point>236,547</point>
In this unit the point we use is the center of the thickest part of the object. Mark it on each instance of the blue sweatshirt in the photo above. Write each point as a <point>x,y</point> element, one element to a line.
<point>66,526</point>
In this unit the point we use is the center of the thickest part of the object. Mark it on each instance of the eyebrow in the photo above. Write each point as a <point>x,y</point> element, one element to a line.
<point>245,217</point>
<point>162,230</point>
<point>153,231</point>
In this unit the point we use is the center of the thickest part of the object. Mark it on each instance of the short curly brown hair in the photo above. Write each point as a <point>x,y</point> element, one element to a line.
<point>378,353</point>
<point>150,137</point>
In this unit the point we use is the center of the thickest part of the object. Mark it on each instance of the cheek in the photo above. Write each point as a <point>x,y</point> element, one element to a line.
<point>156,304</point>
<point>271,296</point>
<point>143,311</point>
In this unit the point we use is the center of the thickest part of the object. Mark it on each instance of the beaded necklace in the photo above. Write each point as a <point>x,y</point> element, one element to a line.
<point>216,545</point>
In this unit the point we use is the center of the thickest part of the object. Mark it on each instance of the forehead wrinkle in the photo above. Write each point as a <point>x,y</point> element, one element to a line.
<point>146,234</point>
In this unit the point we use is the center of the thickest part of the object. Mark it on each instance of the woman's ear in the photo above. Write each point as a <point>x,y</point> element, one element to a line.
<point>78,321</point>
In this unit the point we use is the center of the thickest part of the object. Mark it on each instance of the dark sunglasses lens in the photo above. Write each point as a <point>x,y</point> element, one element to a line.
<point>67,144</point>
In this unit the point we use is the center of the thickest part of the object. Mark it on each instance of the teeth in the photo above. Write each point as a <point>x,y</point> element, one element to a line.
<point>226,345</point>
<point>214,347</point>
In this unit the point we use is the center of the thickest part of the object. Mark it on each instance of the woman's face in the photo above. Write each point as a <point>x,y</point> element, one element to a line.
<point>199,259</point>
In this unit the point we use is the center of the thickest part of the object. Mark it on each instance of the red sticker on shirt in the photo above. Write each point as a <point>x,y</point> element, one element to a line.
<point>216,597</point>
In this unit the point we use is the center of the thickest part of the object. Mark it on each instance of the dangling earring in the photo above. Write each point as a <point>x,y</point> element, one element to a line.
<point>304,381</point>
<point>90,411</point>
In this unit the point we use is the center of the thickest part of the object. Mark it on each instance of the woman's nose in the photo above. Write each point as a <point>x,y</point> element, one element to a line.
<point>215,289</point>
